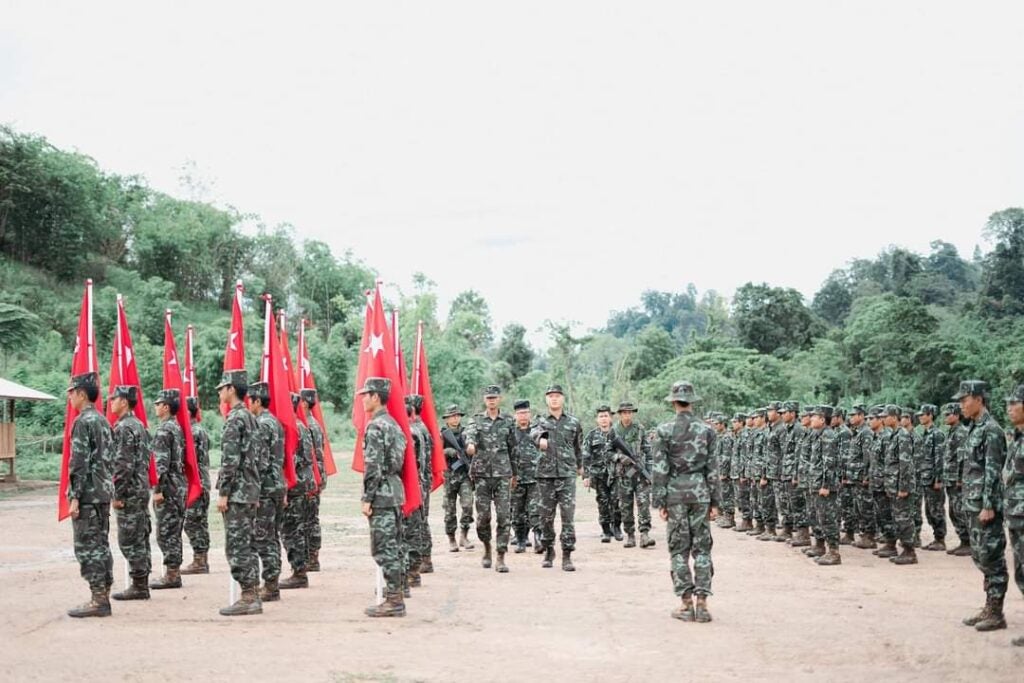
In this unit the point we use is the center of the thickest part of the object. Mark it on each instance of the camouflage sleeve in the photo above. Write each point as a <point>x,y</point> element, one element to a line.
<point>659,472</point>
<point>78,462</point>
<point>231,456</point>
<point>309,457</point>
<point>470,433</point>
<point>125,446</point>
<point>374,450</point>
<point>588,453</point>
<point>714,485</point>
<point>843,455</point>
<point>577,448</point>
<point>645,449</point>
<point>938,451</point>
<point>513,450</point>
<point>995,458</point>
<point>905,457</point>
<point>163,451</point>
<point>831,461</point>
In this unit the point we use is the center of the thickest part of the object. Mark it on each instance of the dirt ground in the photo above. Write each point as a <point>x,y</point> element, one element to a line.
<point>776,614</point>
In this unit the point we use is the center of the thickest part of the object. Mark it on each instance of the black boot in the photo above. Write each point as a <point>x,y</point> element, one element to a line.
<point>139,590</point>
<point>567,565</point>
<point>606,533</point>
<point>98,606</point>
<point>549,558</point>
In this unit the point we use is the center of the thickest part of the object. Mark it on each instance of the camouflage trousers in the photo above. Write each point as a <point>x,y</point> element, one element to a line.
<point>525,517</point>
<point>313,539</point>
<point>935,512</point>
<point>197,524</point>
<point>742,488</point>
<point>1015,525</point>
<point>689,536</point>
<point>727,498</point>
<point>864,508</point>
<point>293,531</point>
<point>766,501</point>
<point>988,550</point>
<point>955,494</point>
<point>636,491</point>
<point>849,522</point>
<point>133,528</point>
<point>386,546</point>
<point>885,527</point>
<point>496,492</point>
<point>798,506</point>
<point>170,519</point>
<point>783,502</point>
<point>607,501</point>
<point>916,501</point>
<point>239,524</point>
<point>413,530</point>
<point>266,537</point>
<point>755,500</point>
<point>903,519</point>
<point>427,540</point>
<point>810,499</point>
<point>557,494</point>
<point>827,510</point>
<point>92,547</point>
<point>458,493</point>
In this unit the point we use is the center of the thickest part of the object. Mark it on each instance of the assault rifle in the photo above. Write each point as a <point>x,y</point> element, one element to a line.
<point>626,453</point>
<point>451,442</point>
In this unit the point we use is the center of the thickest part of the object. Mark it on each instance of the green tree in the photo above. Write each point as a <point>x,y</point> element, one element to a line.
<point>1002,288</point>
<point>774,319</point>
<point>833,301</point>
<point>470,319</point>
<point>515,351</point>
<point>652,350</point>
<point>18,328</point>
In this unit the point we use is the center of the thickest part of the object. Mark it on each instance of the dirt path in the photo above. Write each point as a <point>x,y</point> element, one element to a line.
<point>777,616</point>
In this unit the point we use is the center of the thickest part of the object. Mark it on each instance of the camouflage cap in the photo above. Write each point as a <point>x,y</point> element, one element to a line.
<point>452,411</point>
<point>791,407</point>
<point>192,403</point>
<point>891,410</point>
<point>260,390</point>
<point>521,404</point>
<point>807,411</point>
<point>296,398</point>
<point>774,405</point>
<point>375,385</point>
<point>627,407</point>
<point>721,418</point>
<point>1017,395</point>
<point>951,409</point>
<point>603,408</point>
<point>683,392</point>
<point>238,378</point>
<point>414,401</point>
<point>492,390</point>
<point>759,412</point>
<point>85,380</point>
<point>739,417</point>
<point>554,389</point>
<point>878,410</point>
<point>971,387</point>
<point>858,408</point>
<point>127,392</point>
<point>167,396</point>
<point>824,410</point>
<point>839,412</point>
<point>308,395</point>
<point>907,413</point>
<point>928,409</point>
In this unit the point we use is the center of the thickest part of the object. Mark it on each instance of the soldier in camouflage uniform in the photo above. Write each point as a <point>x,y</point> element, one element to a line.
<point>686,493</point>
<point>810,496</point>
<point>909,424</point>
<point>856,474</point>
<point>1013,488</point>
<point>458,487</point>
<point>823,470</point>
<point>131,491</point>
<point>634,488</point>
<point>758,482</point>
<point>952,477</point>
<point>741,459</point>
<point>90,489</point>
<point>269,446</point>
<point>415,533</point>
<point>738,422</point>
<point>984,453</point>
<point>525,517</point>
<point>775,431</point>
<point>238,491</point>
<point>197,523</point>
<point>559,436</point>
<point>723,462</point>
<point>900,482</point>
<point>426,473</point>
<point>383,493</point>
<point>294,532</point>
<point>884,522</point>
<point>599,473</point>
<point>932,449</point>
<point>316,435</point>
<point>846,491</point>
<point>171,488</point>
<point>792,439</point>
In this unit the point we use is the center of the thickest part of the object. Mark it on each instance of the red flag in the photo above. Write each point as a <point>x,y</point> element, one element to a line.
<point>377,359</point>
<point>293,386</point>
<point>272,371</point>
<point>191,388</point>
<point>83,359</point>
<point>172,380</point>
<point>124,372</point>
<point>421,386</point>
<point>399,353</point>
<point>362,372</point>
<point>307,381</point>
<point>234,353</point>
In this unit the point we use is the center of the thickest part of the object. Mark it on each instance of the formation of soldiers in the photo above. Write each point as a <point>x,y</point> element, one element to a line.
<point>109,468</point>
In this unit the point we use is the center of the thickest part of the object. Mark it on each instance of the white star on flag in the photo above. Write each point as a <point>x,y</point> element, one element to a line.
<point>234,336</point>
<point>376,344</point>
<point>173,360</point>
<point>128,355</point>
<point>305,366</point>
<point>78,344</point>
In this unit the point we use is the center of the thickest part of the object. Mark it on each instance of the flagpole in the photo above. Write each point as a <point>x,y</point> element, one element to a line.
<point>302,354</point>
<point>89,345</point>
<point>268,316</point>
<point>417,360</point>
<point>120,342</point>
<point>398,342</point>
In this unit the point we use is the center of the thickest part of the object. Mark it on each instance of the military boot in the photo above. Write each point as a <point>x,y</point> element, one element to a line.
<point>962,550</point>
<point>866,542</point>
<point>567,565</point>
<point>413,579</point>
<point>198,566</point>
<point>816,550</point>
<point>768,534</point>
<point>538,546</point>
<point>298,579</point>
<point>464,540</point>
<point>313,561</point>
<point>757,529</point>
<point>453,545</point>
<point>630,541</point>
<point>908,556</point>
<point>831,557</point>
<point>937,544</point>
<point>606,533</point>
<point>700,610</point>
<point>801,539</point>
<point>617,532</point>
<point>170,579</point>
<point>139,590</point>
<point>426,565</point>
<point>726,522</point>
<point>846,538</point>
<point>249,603</point>
<point>1018,642</point>
<point>549,558</point>
<point>486,561</point>
<point>785,537</point>
<point>406,591</point>
<point>743,526</point>
<point>270,591</point>
<point>521,543</point>
<point>98,606</point>
<point>685,611</point>
<point>393,606</point>
<point>980,615</point>
<point>995,619</point>
<point>500,565</point>
<point>646,541</point>
<point>888,549</point>
<point>917,539</point>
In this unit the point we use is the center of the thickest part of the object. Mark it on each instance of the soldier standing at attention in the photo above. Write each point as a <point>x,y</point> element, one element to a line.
<point>383,494</point>
<point>525,517</point>
<point>857,475</point>
<point>847,493</point>
<point>171,488</point>
<point>316,435</point>
<point>792,438</point>
<point>598,468</point>
<point>426,472</point>
<point>558,436</point>
<point>269,445</point>
<point>1013,483</point>
<point>685,492</point>
<point>197,516</point>
<point>773,454</point>
<point>131,491</point>
<point>491,442</point>
<point>823,474</point>
<point>876,471</point>
<point>90,489</point>
<point>932,447</point>
<point>294,534</point>
<point>984,453</point>
<point>743,511</point>
<point>952,477</point>
<point>413,528</point>
<point>238,491</point>
<point>900,481</point>
<point>723,462</point>
<point>762,492</point>
<point>458,487</point>
<point>744,498</point>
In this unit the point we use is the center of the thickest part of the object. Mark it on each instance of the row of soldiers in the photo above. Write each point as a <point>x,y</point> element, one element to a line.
<point>109,468</point>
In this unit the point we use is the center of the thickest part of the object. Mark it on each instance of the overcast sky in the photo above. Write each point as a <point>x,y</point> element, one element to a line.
<point>558,157</point>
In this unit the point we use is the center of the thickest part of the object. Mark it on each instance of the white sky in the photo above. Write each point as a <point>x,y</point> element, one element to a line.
<point>558,157</point>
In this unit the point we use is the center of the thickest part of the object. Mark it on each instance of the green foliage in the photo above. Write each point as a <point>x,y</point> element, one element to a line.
<point>652,350</point>
<point>774,319</point>
<point>1002,290</point>
<point>17,327</point>
<point>515,351</point>
<point>469,318</point>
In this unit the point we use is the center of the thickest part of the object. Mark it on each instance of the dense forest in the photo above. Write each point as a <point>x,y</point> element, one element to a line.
<point>901,327</point>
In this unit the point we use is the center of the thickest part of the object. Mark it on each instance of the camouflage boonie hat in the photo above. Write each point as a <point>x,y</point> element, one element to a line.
<point>237,378</point>
<point>1017,395</point>
<point>260,390</point>
<point>928,409</point>
<point>125,391</point>
<point>521,404</point>
<point>683,392</point>
<point>414,401</point>
<point>168,396</point>
<point>603,409</point>
<point>375,385</point>
<point>86,380</point>
<point>627,407</point>
<point>892,411</point>
<point>971,387</point>
<point>308,395</point>
<point>791,407</point>
<point>452,411</point>
<point>492,390</point>
<point>554,389</point>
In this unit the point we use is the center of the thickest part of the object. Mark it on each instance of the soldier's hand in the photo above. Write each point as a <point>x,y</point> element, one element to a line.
<point>986,516</point>
<point>222,504</point>
<point>743,480</point>
<point>158,498</point>
<point>846,482</point>
<point>367,510</point>
<point>117,504</point>
<point>513,482</point>
<point>824,492</point>
<point>542,444</point>
<point>73,508</point>
<point>865,483</point>
<point>470,449</point>
<point>586,482</point>
<point>284,501</point>
<point>663,513</point>
<point>713,513</point>
<point>903,494</point>
<point>764,482</point>
<point>937,486</point>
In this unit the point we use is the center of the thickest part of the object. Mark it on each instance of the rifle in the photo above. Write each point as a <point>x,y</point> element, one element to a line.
<point>618,444</point>
<point>449,440</point>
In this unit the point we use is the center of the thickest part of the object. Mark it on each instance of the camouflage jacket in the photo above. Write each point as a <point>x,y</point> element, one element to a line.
<point>774,449</point>
<point>843,436</point>
<point>735,458</point>
<point>495,443</point>
<point>598,454</point>
<point>131,460</point>
<point>384,454</point>
<point>824,465</point>
<point>239,477</point>
<point>984,454</point>
<point>759,453</point>
<point>931,448</point>
<point>201,440</point>
<point>898,466</point>
<point>953,463</point>
<point>90,466</point>
<point>636,436</point>
<point>317,436</point>
<point>743,453</point>
<point>861,442</point>
<point>793,437</point>
<point>423,444</point>
<point>169,450</point>
<point>723,454</point>
<point>876,465</point>
<point>564,456</point>
<point>683,465</point>
<point>803,459</point>
<point>305,461</point>
<point>270,444</point>
<point>527,455</point>
<point>1013,480</point>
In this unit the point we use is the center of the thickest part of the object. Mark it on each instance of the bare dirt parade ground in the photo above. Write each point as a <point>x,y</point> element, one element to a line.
<point>776,614</point>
